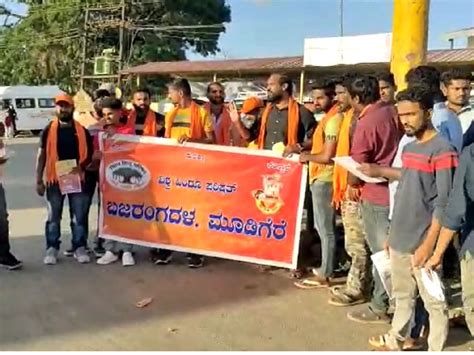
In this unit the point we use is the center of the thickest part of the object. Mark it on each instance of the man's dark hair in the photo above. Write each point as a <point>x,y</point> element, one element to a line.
<point>285,79</point>
<point>366,88</point>
<point>420,94</point>
<point>111,103</point>
<point>143,90</point>
<point>181,84</point>
<point>387,77</point>
<point>423,74</point>
<point>100,94</point>
<point>327,86</point>
<point>345,80</point>
<point>428,76</point>
<point>214,83</point>
<point>455,74</point>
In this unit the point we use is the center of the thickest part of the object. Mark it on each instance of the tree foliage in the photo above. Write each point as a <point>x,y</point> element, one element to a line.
<point>45,47</point>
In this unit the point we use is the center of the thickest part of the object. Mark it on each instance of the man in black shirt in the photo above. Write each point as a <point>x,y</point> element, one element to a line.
<point>64,139</point>
<point>141,111</point>
<point>278,126</point>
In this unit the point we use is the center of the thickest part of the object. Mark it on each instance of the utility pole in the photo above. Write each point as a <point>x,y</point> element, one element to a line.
<point>100,18</point>
<point>84,47</point>
<point>121,39</point>
<point>341,18</point>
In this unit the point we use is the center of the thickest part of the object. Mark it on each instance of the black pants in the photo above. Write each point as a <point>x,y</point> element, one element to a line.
<point>4,230</point>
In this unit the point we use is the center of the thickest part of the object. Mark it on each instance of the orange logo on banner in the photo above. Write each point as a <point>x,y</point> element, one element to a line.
<point>219,201</point>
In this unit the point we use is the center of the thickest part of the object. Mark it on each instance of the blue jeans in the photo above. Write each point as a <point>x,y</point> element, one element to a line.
<point>78,207</point>
<point>325,224</point>
<point>376,224</point>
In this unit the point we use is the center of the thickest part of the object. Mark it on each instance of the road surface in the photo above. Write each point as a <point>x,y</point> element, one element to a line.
<point>224,306</point>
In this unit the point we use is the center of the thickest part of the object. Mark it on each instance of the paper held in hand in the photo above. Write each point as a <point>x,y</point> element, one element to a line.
<point>381,261</point>
<point>69,182</point>
<point>353,167</point>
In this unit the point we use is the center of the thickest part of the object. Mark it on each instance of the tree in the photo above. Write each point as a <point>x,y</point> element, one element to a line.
<point>45,46</point>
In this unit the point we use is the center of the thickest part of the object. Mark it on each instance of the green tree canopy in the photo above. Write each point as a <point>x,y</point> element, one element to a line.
<point>45,46</point>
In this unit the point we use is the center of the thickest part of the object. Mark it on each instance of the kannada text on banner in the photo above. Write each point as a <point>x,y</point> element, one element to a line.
<point>219,201</point>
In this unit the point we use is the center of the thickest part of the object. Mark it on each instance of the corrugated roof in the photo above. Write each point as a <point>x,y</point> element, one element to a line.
<point>219,66</point>
<point>269,64</point>
<point>451,56</point>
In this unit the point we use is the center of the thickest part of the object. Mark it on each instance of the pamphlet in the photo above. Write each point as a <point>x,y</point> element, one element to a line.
<point>69,182</point>
<point>381,262</point>
<point>353,167</point>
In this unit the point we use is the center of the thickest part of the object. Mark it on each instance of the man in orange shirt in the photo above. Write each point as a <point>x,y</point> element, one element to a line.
<point>187,122</point>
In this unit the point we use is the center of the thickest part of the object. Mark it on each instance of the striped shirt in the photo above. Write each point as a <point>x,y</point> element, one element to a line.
<point>423,192</point>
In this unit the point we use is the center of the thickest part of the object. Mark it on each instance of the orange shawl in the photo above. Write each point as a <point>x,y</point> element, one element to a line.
<point>226,133</point>
<point>150,126</point>
<point>293,120</point>
<point>343,150</point>
<point>318,139</point>
<point>52,149</point>
<point>196,129</point>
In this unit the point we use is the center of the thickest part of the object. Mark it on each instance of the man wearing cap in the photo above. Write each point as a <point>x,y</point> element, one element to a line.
<point>65,151</point>
<point>244,121</point>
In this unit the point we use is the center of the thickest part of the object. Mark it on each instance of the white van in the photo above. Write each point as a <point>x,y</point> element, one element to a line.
<point>34,105</point>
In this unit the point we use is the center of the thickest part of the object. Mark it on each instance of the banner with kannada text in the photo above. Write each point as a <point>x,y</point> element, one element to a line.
<point>225,202</point>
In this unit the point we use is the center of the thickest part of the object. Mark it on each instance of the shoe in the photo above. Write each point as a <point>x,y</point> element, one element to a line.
<point>51,257</point>
<point>161,257</point>
<point>195,261</point>
<point>81,256</point>
<point>70,252</point>
<point>367,316</point>
<point>127,259</point>
<point>107,258</point>
<point>99,251</point>
<point>9,262</point>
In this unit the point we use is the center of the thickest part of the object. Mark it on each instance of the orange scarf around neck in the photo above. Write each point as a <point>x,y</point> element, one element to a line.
<point>343,150</point>
<point>196,128</point>
<point>52,149</point>
<point>318,139</point>
<point>293,121</point>
<point>149,127</point>
<point>226,132</point>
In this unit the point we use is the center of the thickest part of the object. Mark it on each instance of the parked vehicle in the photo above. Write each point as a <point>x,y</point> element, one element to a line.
<point>34,105</point>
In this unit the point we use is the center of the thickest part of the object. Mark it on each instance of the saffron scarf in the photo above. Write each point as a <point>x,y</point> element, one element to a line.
<point>196,128</point>
<point>150,127</point>
<point>293,121</point>
<point>222,127</point>
<point>343,150</point>
<point>52,149</point>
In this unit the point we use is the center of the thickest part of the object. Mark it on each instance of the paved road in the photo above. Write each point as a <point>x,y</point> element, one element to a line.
<point>225,306</point>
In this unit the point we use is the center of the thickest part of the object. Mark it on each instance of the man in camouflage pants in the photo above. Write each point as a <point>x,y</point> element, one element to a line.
<point>353,292</point>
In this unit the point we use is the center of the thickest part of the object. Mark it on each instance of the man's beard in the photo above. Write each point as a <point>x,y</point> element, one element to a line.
<point>65,117</point>
<point>274,97</point>
<point>215,101</point>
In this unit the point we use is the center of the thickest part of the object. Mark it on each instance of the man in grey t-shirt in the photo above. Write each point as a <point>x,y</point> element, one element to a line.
<point>426,180</point>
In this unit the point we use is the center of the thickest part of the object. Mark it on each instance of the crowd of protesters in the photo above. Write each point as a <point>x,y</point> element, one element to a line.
<point>419,141</point>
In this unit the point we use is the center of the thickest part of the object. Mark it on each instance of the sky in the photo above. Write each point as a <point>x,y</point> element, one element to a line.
<point>277,28</point>
<point>274,28</point>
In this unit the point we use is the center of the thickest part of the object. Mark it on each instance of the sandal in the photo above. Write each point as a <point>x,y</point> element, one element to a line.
<point>312,283</point>
<point>379,343</point>
<point>342,299</point>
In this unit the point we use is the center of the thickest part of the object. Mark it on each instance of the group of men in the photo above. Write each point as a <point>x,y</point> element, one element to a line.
<point>413,142</point>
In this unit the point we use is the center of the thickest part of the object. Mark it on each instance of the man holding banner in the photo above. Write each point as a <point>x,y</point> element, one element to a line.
<point>187,122</point>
